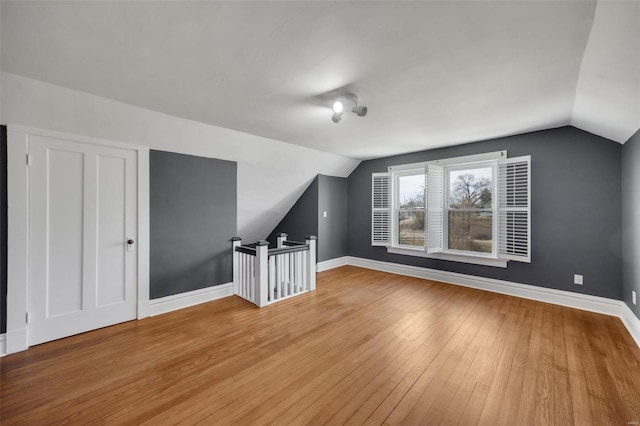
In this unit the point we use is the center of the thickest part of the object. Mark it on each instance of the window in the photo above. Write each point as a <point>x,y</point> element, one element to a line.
<point>473,209</point>
<point>409,209</point>
<point>470,208</point>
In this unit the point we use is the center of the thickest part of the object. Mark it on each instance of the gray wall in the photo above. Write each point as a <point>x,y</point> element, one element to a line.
<point>631,221</point>
<point>302,218</point>
<point>3,229</point>
<point>193,214</point>
<point>332,230</point>
<point>576,211</point>
<point>306,217</point>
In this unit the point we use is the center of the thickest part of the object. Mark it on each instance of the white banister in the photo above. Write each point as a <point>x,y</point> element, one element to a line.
<point>263,276</point>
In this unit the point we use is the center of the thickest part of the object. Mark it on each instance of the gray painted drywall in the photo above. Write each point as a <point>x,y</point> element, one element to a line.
<point>302,218</point>
<point>306,217</point>
<point>332,229</point>
<point>631,221</point>
<point>575,218</point>
<point>193,214</point>
<point>3,229</point>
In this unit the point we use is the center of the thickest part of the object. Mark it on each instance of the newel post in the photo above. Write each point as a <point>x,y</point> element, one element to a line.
<point>262,273</point>
<point>281,238</point>
<point>311,261</point>
<point>235,242</point>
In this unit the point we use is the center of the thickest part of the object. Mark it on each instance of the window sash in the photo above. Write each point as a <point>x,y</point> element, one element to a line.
<point>396,209</point>
<point>493,165</point>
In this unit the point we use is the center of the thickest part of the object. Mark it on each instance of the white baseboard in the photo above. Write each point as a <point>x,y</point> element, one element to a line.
<point>3,344</point>
<point>191,298</point>
<point>631,321</point>
<point>584,302</point>
<point>332,263</point>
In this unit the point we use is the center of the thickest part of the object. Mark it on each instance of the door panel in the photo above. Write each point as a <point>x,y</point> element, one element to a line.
<point>111,230</point>
<point>64,207</point>
<point>83,208</point>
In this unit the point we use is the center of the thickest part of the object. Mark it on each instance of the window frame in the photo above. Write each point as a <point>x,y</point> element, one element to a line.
<point>476,258</point>
<point>493,165</point>
<point>395,202</point>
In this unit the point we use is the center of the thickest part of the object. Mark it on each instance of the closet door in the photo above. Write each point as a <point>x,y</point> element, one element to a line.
<point>82,237</point>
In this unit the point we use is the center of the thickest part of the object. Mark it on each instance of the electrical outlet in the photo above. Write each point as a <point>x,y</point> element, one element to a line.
<point>577,279</point>
<point>633,297</point>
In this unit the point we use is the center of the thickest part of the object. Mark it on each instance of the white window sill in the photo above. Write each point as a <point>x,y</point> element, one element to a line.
<point>476,260</point>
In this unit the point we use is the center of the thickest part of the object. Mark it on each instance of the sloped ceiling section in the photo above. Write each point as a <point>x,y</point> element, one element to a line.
<point>608,91</point>
<point>271,174</point>
<point>433,73</point>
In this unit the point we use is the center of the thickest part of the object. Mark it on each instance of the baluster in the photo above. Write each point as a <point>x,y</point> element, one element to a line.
<point>272,277</point>
<point>252,278</point>
<point>247,276</point>
<point>279,277</point>
<point>285,292</point>
<point>241,272</point>
<point>298,268</point>
<point>304,271</point>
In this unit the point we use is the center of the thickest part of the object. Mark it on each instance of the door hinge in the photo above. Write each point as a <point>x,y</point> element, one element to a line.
<point>27,317</point>
<point>28,159</point>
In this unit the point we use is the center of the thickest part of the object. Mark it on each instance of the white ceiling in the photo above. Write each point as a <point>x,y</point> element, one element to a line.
<point>431,73</point>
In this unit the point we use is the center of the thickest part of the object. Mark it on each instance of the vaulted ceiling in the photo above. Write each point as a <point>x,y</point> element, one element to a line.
<point>431,73</point>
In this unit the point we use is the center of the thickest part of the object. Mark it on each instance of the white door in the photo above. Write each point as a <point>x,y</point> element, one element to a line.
<point>82,237</point>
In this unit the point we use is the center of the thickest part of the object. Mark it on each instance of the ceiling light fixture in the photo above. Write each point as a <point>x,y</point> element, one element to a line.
<point>347,99</point>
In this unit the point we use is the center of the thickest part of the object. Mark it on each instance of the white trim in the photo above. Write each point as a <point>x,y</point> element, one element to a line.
<point>465,258</point>
<point>191,298</point>
<point>632,322</point>
<point>463,160</point>
<point>558,297</point>
<point>17,240</point>
<point>144,242</point>
<point>332,263</point>
<point>35,131</point>
<point>18,226</point>
<point>569,299</point>
<point>3,345</point>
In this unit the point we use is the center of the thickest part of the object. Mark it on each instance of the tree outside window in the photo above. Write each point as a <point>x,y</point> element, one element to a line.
<point>470,214</point>
<point>410,212</point>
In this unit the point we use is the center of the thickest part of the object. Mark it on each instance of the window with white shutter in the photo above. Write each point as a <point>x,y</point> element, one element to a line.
<point>514,209</point>
<point>380,209</point>
<point>474,209</point>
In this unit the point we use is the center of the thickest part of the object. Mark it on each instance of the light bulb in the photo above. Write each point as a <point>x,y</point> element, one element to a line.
<point>338,107</point>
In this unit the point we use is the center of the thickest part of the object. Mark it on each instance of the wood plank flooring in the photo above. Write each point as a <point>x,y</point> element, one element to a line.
<point>366,348</point>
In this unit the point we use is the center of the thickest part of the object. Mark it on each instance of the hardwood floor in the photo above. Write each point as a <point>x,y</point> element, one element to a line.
<point>366,348</point>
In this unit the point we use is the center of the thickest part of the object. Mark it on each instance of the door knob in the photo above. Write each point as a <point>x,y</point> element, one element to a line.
<point>130,241</point>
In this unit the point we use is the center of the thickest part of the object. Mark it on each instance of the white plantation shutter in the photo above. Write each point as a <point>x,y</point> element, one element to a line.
<point>380,209</point>
<point>514,208</point>
<point>435,200</point>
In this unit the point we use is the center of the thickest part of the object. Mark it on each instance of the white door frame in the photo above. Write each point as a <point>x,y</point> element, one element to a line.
<point>18,227</point>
